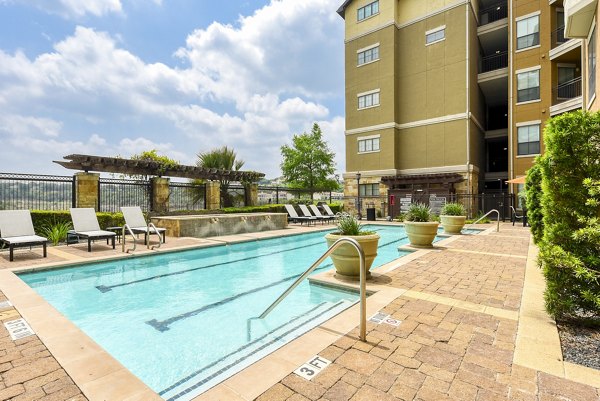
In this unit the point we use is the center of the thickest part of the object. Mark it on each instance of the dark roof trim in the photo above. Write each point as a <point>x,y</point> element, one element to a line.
<point>149,167</point>
<point>442,178</point>
<point>342,10</point>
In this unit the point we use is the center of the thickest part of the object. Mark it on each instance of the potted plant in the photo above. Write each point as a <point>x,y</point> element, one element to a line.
<point>420,228</point>
<point>345,258</point>
<point>453,216</point>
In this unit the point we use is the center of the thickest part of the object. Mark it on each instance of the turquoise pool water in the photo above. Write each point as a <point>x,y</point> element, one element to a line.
<point>181,321</point>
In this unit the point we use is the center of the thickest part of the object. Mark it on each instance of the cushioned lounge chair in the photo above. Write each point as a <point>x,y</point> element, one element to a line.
<point>16,231</point>
<point>318,214</point>
<point>293,216</point>
<point>328,211</point>
<point>134,218</point>
<point>85,225</point>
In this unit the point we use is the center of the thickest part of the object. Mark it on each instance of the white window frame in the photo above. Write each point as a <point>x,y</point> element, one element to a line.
<point>522,18</point>
<point>369,93</point>
<point>535,123</point>
<point>358,19</point>
<point>527,70</point>
<point>369,138</point>
<point>591,94</point>
<point>366,49</point>
<point>434,31</point>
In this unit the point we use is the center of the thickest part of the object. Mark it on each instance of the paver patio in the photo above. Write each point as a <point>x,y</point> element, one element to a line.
<point>465,335</point>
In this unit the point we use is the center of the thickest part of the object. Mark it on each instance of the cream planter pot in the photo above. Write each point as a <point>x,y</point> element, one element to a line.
<point>453,224</point>
<point>421,234</point>
<point>345,258</point>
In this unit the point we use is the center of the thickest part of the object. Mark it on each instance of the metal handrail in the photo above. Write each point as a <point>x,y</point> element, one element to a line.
<point>486,215</point>
<point>363,284</point>
<point>126,226</point>
<point>160,238</point>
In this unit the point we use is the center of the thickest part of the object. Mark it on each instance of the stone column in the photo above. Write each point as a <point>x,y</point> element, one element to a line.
<point>213,195</point>
<point>251,194</point>
<point>86,190</point>
<point>160,194</point>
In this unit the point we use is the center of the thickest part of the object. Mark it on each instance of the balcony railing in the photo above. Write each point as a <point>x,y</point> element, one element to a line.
<point>493,13</point>
<point>558,37</point>
<point>494,62</point>
<point>568,90</point>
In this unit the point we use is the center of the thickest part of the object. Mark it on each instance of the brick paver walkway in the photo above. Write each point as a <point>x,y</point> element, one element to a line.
<point>441,352</point>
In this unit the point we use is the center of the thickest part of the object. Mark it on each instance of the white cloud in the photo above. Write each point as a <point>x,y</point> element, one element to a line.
<point>73,8</point>
<point>250,86</point>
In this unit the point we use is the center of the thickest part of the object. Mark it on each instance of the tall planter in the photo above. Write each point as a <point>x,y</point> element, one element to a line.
<point>346,259</point>
<point>453,224</point>
<point>421,234</point>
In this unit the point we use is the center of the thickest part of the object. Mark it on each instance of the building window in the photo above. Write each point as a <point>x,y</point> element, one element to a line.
<point>435,35</point>
<point>528,86</point>
<point>528,32</point>
<point>368,100</point>
<point>368,10</point>
<point>368,145</point>
<point>528,139</point>
<point>591,47</point>
<point>369,189</point>
<point>368,55</point>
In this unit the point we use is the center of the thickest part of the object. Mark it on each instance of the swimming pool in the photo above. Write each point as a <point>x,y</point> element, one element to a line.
<point>182,321</point>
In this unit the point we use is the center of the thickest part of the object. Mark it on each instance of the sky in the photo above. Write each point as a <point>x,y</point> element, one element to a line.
<point>118,77</point>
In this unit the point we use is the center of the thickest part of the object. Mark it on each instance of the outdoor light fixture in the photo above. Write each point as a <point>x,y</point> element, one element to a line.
<point>358,194</point>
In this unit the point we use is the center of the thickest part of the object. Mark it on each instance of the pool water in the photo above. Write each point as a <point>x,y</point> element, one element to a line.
<point>184,321</point>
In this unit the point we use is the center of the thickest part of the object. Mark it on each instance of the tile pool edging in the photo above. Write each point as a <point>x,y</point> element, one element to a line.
<point>101,377</point>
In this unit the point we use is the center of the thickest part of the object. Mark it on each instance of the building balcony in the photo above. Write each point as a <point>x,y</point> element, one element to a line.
<point>493,62</point>
<point>579,15</point>
<point>557,37</point>
<point>566,97</point>
<point>493,13</point>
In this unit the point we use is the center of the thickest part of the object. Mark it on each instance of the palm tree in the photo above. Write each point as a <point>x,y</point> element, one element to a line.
<point>222,158</point>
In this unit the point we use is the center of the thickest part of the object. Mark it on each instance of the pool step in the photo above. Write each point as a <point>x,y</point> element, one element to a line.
<point>257,348</point>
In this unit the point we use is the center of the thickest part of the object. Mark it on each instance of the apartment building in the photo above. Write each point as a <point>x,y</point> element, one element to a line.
<point>451,96</point>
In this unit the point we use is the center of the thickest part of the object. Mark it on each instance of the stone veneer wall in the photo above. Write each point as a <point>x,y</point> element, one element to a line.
<point>86,189</point>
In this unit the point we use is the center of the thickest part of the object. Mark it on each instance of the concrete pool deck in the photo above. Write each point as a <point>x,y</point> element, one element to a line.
<point>473,327</point>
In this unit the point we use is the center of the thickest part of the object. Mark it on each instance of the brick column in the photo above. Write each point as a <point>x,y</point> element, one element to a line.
<point>251,194</point>
<point>86,190</point>
<point>213,195</point>
<point>160,194</point>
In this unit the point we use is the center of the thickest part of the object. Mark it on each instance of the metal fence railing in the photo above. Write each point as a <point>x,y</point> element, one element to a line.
<point>567,90</point>
<point>267,195</point>
<point>40,192</point>
<point>557,37</point>
<point>186,196</point>
<point>114,193</point>
<point>494,62</point>
<point>493,13</point>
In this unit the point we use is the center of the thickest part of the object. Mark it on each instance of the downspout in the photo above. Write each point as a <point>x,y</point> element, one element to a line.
<point>468,114</point>
<point>510,94</point>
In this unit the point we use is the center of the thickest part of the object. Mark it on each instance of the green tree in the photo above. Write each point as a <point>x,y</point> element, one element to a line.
<point>222,158</point>
<point>308,163</point>
<point>533,190</point>
<point>165,163</point>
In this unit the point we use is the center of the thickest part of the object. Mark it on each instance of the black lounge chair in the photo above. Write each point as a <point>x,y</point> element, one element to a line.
<point>293,216</point>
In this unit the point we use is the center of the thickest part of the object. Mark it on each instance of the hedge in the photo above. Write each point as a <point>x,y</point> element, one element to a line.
<point>570,247</point>
<point>533,190</point>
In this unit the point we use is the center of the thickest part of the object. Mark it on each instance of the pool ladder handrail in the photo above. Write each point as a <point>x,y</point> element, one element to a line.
<point>486,215</point>
<point>126,227</point>
<point>362,276</point>
<point>160,238</point>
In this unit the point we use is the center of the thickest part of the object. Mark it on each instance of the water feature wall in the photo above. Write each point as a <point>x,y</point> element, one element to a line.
<point>212,225</point>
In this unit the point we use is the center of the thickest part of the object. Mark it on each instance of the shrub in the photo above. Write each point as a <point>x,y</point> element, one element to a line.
<point>56,232</point>
<point>348,224</point>
<point>418,212</point>
<point>45,218</point>
<point>453,209</point>
<point>533,190</point>
<point>570,250</point>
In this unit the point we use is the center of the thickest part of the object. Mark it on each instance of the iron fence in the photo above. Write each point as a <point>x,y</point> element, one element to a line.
<point>567,90</point>
<point>494,62</point>
<point>114,193</point>
<point>479,204</point>
<point>186,196</point>
<point>267,195</point>
<point>41,192</point>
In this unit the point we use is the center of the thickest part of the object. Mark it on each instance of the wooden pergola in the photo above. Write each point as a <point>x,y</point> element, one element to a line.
<point>117,165</point>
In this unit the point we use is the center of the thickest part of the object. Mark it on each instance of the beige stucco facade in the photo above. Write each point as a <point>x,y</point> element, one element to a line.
<point>440,108</point>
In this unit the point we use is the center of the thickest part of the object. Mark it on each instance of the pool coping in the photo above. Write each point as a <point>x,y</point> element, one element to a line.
<point>101,377</point>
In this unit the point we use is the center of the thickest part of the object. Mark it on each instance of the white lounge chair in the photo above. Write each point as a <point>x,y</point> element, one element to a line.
<point>16,230</point>
<point>328,210</point>
<point>134,218</point>
<point>317,213</point>
<point>307,213</point>
<point>85,225</point>
<point>293,216</point>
